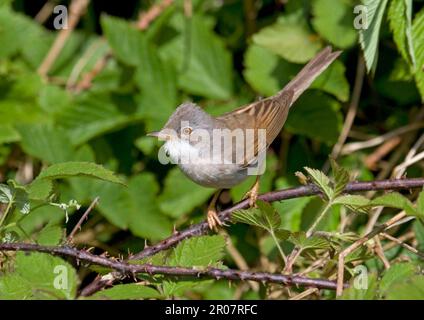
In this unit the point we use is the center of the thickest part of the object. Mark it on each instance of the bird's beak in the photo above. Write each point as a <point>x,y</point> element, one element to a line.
<point>153,134</point>
<point>160,135</point>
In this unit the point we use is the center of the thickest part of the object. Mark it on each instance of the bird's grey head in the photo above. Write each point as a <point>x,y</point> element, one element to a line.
<point>187,118</point>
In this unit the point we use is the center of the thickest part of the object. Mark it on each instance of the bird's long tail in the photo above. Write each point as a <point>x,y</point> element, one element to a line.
<point>310,72</point>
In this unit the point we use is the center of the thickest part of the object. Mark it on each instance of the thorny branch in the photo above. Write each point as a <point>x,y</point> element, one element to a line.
<point>132,269</point>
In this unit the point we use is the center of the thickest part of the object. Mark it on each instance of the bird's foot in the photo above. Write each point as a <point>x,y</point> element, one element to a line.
<point>252,194</point>
<point>213,219</point>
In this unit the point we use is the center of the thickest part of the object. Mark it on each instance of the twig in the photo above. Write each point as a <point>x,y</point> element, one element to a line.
<point>76,9</point>
<point>132,269</point>
<point>404,245</point>
<point>147,17</point>
<point>379,251</point>
<point>83,217</point>
<point>359,243</point>
<point>383,150</point>
<point>45,12</point>
<point>353,107</point>
<point>355,146</point>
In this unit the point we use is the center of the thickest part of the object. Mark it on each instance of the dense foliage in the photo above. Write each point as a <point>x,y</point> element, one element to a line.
<point>77,132</point>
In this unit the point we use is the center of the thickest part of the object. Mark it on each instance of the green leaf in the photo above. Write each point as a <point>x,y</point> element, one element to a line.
<point>321,181</point>
<point>267,73</point>
<point>130,291</point>
<point>313,112</point>
<point>341,177</point>
<point>290,38</point>
<point>337,26</point>
<point>400,18</point>
<point>333,81</point>
<point>39,189</point>
<point>420,204</point>
<point>53,99</point>
<point>46,142</point>
<point>206,67</point>
<point>52,278</point>
<point>394,200</point>
<point>181,195</point>
<point>5,193</point>
<point>312,243</point>
<point>95,113</point>
<point>79,169</point>
<point>418,40</point>
<point>368,37</point>
<point>355,202</point>
<point>199,252</point>
<point>396,273</point>
<point>409,289</point>
<point>265,216</point>
<point>15,194</point>
<point>123,38</point>
<point>158,83</point>
<point>135,208</point>
<point>50,236</point>
<point>368,293</point>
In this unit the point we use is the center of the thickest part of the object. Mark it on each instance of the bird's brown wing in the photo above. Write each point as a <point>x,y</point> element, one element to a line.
<point>269,114</point>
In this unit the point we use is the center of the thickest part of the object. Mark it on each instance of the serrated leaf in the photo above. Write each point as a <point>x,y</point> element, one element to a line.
<point>39,189</point>
<point>157,81</point>
<point>341,177</point>
<point>206,69</point>
<point>46,142</point>
<point>50,236</point>
<point>356,202</point>
<point>265,216</point>
<point>199,252</point>
<point>5,193</point>
<point>267,74</point>
<point>79,169</point>
<point>321,181</point>
<point>420,204</point>
<point>304,243</point>
<point>396,273</point>
<point>130,291</point>
<point>290,38</point>
<point>29,282</point>
<point>122,37</point>
<point>269,214</point>
<point>418,40</point>
<point>337,26</point>
<point>411,288</point>
<point>313,112</point>
<point>181,195</point>
<point>368,37</point>
<point>135,208</point>
<point>95,113</point>
<point>400,18</point>
<point>394,200</point>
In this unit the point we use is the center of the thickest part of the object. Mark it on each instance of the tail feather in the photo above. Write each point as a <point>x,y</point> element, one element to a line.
<point>310,72</point>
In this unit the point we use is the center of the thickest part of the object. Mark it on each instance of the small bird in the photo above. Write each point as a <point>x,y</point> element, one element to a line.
<point>203,146</point>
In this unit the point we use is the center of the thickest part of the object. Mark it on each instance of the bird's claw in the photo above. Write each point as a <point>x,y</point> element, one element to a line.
<point>213,220</point>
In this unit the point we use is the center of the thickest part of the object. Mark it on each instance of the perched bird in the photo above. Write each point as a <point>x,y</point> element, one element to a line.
<point>220,152</point>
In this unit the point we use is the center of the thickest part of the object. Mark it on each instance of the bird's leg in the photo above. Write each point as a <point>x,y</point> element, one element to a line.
<point>253,193</point>
<point>213,219</point>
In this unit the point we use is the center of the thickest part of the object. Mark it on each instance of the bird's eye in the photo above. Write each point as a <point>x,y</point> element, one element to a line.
<point>187,130</point>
